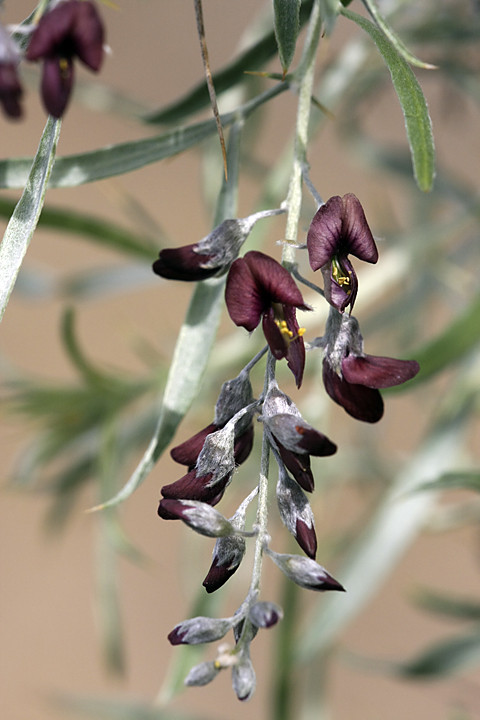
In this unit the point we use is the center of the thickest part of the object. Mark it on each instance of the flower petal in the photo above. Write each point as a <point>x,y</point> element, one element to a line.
<point>357,237</point>
<point>360,402</point>
<point>191,487</point>
<point>245,303</point>
<point>299,466</point>
<point>296,349</point>
<point>187,452</point>
<point>183,263</point>
<point>274,281</point>
<point>325,233</point>
<point>378,372</point>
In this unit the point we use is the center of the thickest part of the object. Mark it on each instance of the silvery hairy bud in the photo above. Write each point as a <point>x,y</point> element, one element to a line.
<point>217,456</point>
<point>243,676</point>
<point>234,395</point>
<point>211,256</point>
<point>201,517</point>
<point>202,674</point>
<point>296,513</point>
<point>200,630</point>
<point>304,572</point>
<point>228,551</point>
<point>296,439</point>
<point>265,614</point>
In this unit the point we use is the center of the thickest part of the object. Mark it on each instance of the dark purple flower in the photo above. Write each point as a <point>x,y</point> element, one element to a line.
<point>339,229</point>
<point>10,90</point>
<point>212,255</point>
<point>72,29</point>
<point>260,289</point>
<point>353,379</point>
<point>296,513</point>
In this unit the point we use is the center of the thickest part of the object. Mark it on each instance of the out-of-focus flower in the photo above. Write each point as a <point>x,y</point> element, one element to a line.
<point>212,255</point>
<point>199,630</point>
<point>338,229</point>
<point>260,289</point>
<point>351,378</point>
<point>72,29</point>
<point>10,88</point>
<point>296,439</point>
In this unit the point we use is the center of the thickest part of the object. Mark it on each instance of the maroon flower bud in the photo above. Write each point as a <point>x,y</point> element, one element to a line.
<point>296,513</point>
<point>212,255</point>
<point>227,556</point>
<point>339,229</point>
<point>193,487</point>
<point>351,378</point>
<point>265,614</point>
<point>200,516</point>
<point>305,572</point>
<point>296,439</point>
<point>72,29</point>
<point>260,289</point>
<point>200,630</point>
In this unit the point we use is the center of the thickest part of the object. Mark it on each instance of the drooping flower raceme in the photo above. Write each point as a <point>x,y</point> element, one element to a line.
<point>352,378</point>
<point>72,29</point>
<point>338,229</point>
<point>260,289</point>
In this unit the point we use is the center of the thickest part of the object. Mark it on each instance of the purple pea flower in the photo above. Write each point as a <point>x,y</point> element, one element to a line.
<point>72,29</point>
<point>260,289</point>
<point>10,88</point>
<point>339,229</point>
<point>353,379</point>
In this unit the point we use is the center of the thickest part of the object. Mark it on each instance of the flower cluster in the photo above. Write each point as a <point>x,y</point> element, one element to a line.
<point>259,290</point>
<point>71,29</point>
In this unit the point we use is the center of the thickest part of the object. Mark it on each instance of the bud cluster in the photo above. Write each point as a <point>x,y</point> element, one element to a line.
<point>259,290</point>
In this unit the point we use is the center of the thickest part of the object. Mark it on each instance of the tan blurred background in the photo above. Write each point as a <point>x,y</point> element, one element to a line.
<point>48,639</point>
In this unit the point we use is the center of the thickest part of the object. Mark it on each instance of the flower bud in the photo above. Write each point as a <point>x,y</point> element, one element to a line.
<point>201,517</point>
<point>211,256</point>
<point>217,455</point>
<point>227,556</point>
<point>234,395</point>
<point>243,677</point>
<point>202,674</point>
<point>265,614</point>
<point>304,572</point>
<point>199,630</point>
<point>296,513</point>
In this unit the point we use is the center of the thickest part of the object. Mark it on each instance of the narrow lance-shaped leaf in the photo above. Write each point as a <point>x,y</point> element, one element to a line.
<point>90,227</point>
<point>24,220</point>
<point>454,481</point>
<point>195,340</point>
<point>252,59</point>
<point>445,658</point>
<point>454,343</point>
<point>382,23</point>
<point>412,100</point>
<point>287,25</point>
<point>113,160</point>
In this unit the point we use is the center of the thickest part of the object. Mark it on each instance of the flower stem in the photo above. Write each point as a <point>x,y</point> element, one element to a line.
<point>305,73</point>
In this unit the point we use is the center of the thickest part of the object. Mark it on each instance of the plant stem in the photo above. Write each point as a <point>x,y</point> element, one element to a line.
<point>306,73</point>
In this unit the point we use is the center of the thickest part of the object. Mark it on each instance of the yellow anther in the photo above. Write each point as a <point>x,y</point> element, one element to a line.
<point>301,332</point>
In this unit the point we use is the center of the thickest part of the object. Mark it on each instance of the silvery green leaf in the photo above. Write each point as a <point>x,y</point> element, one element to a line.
<point>412,100</point>
<point>287,25</point>
<point>24,220</point>
<point>113,160</point>
<point>399,46</point>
